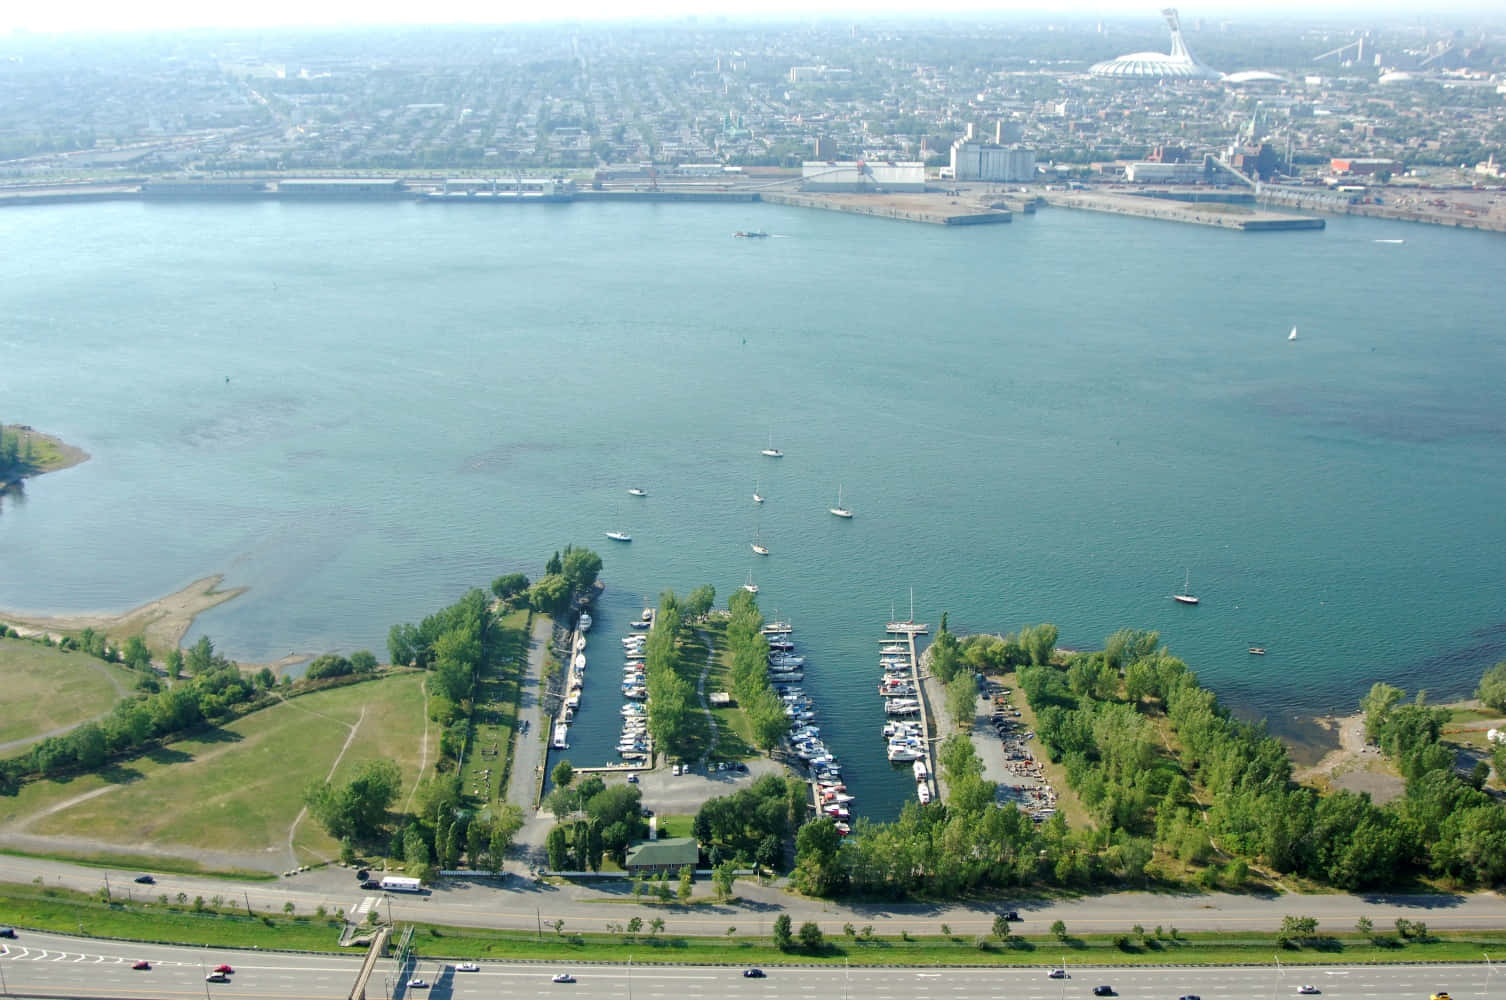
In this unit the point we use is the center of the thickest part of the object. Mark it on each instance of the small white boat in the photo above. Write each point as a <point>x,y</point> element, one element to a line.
<point>757,496</point>
<point>840,510</point>
<point>619,536</point>
<point>1186,596</point>
<point>923,792</point>
<point>1292,335</point>
<point>771,451</point>
<point>750,586</point>
<point>637,492</point>
<point>561,731</point>
<point>585,621</point>
<point>759,548</point>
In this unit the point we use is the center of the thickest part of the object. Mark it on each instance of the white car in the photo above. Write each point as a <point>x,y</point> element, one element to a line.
<point>467,967</point>
<point>564,977</point>
<point>1308,991</point>
<point>417,984</point>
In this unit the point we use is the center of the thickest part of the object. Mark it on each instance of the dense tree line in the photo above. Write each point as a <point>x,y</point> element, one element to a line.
<point>443,829</point>
<point>750,825</point>
<point>16,456</point>
<point>593,821</point>
<point>675,720</point>
<point>748,650</point>
<point>1224,788</point>
<point>566,574</point>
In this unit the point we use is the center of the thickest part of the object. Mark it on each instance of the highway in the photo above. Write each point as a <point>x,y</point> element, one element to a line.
<point>517,903</point>
<point>55,965</point>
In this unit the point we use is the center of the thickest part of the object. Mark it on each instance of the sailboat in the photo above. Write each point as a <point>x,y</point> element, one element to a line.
<point>750,586</point>
<point>619,535</point>
<point>758,546</point>
<point>1292,335</point>
<point>772,451</point>
<point>757,496</point>
<point>1186,596</point>
<point>839,510</point>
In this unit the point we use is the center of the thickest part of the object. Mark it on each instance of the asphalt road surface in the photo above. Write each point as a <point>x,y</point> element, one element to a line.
<point>516,902</point>
<point>55,965</point>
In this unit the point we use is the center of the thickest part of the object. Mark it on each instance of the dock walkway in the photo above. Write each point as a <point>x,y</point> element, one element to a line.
<point>909,630</point>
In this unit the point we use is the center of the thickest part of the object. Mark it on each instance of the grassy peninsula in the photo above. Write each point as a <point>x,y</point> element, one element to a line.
<point>25,451</point>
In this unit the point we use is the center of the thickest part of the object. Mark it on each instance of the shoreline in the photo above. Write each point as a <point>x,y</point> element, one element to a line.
<point>162,622</point>
<point>55,453</point>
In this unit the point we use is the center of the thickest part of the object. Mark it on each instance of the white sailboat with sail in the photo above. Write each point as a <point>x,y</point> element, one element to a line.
<point>840,510</point>
<point>1186,596</point>
<point>772,451</point>
<point>759,548</point>
<point>750,586</point>
<point>757,496</point>
<point>1292,335</point>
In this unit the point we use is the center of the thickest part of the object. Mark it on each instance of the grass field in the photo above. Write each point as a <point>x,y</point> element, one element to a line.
<point>495,719</point>
<point>56,910</point>
<point>734,734</point>
<point>239,788</point>
<point>43,688</point>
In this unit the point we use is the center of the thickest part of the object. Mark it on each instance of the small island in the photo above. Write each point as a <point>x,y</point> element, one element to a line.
<point>25,451</point>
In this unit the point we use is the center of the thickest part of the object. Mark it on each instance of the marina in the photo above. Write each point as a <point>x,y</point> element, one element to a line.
<point>908,730</point>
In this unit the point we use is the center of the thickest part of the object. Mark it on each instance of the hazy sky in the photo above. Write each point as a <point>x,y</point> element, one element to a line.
<point>113,15</point>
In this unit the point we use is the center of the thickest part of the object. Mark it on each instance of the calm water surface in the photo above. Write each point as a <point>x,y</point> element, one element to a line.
<point>1052,420</point>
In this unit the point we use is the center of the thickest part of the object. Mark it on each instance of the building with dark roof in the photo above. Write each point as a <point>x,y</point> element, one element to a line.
<point>669,854</point>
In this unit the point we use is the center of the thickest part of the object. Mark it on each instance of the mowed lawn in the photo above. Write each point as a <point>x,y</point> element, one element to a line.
<point>239,788</point>
<point>43,688</point>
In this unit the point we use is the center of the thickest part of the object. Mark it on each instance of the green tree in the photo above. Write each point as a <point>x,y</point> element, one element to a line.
<point>136,655</point>
<point>1001,927</point>
<point>509,586</point>
<point>687,883</point>
<point>200,656</point>
<point>580,569</point>
<point>816,868</point>
<point>358,809</point>
<point>1059,930</point>
<point>784,938</point>
<point>363,661</point>
<point>1377,705</point>
<point>1492,689</point>
<point>699,602</point>
<point>811,938</point>
<point>562,774</point>
<point>557,845</point>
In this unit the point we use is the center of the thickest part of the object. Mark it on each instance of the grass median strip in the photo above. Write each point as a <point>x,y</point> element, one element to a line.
<point>201,923</point>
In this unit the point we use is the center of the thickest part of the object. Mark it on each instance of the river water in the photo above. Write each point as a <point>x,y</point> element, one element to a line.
<point>357,411</point>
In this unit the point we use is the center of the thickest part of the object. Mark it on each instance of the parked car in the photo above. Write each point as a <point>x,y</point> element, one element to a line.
<point>467,967</point>
<point>1012,915</point>
<point>144,880</point>
<point>752,973</point>
<point>675,770</point>
<point>142,966</point>
<point>632,779</point>
<point>371,883</point>
<point>563,977</point>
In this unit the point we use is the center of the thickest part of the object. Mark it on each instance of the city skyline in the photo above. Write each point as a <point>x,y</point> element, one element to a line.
<point>167,15</point>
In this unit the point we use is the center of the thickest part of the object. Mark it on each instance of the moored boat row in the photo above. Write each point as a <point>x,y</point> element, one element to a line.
<point>824,772</point>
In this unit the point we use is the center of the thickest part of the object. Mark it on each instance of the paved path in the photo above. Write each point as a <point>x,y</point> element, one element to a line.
<point>528,748</point>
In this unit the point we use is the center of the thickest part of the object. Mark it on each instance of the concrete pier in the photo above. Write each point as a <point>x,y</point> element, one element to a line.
<point>1220,216</point>
<point>907,631</point>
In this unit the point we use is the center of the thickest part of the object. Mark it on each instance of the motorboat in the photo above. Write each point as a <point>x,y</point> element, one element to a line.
<point>637,492</point>
<point>921,774</point>
<point>641,624</point>
<point>585,621</point>
<point>561,734</point>
<point>923,792</point>
<point>900,755</point>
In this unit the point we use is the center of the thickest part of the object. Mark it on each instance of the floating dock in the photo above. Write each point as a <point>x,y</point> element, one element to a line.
<point>906,632</point>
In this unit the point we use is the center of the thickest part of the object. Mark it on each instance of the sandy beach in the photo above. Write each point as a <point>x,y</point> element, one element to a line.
<point>163,622</point>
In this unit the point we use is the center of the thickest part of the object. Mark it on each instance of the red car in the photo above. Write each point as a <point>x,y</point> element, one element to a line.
<point>223,970</point>
<point>143,966</point>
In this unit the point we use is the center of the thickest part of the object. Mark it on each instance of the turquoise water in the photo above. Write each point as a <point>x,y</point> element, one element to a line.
<point>1052,420</point>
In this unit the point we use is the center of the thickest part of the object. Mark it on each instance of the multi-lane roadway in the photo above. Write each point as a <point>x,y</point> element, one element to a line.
<point>36,964</point>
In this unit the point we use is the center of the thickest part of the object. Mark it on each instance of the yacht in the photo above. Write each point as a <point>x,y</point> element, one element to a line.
<point>561,731</point>
<point>923,792</point>
<point>919,767</point>
<point>642,624</point>
<point>750,586</point>
<point>585,621</point>
<point>901,754</point>
<point>772,451</point>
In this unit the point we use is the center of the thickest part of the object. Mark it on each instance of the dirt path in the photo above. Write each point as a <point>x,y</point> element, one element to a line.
<point>162,622</point>
<point>349,739</point>
<point>423,757</point>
